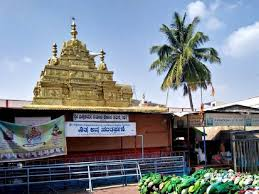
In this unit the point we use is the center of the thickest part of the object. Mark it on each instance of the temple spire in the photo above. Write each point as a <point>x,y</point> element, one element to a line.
<point>102,65</point>
<point>54,50</point>
<point>54,59</point>
<point>102,56</point>
<point>73,29</point>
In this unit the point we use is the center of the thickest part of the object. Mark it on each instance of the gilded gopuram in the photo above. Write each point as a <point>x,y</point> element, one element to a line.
<point>73,79</point>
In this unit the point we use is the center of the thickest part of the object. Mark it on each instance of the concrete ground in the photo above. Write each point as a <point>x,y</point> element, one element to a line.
<point>118,189</point>
<point>131,189</point>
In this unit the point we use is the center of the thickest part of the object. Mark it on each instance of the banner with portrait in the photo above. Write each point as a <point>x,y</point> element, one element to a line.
<point>21,142</point>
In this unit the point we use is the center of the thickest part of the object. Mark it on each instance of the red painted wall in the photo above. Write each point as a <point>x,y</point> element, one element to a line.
<point>154,127</point>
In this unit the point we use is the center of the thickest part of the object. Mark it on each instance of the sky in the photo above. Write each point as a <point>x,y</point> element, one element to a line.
<point>126,30</point>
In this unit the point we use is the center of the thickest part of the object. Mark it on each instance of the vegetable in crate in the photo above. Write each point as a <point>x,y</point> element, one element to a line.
<point>202,188</point>
<point>157,179</point>
<point>198,174</point>
<point>174,181</point>
<point>205,181</point>
<point>185,184</point>
<point>220,188</point>
<point>165,187</point>
<point>194,187</point>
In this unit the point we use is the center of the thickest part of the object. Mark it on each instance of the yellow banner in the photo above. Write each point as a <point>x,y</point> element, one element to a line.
<point>20,142</point>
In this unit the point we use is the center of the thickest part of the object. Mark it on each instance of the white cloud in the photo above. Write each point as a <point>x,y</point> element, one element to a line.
<point>197,8</point>
<point>206,12</point>
<point>214,23</point>
<point>215,5</point>
<point>235,5</point>
<point>11,64</point>
<point>26,59</point>
<point>243,42</point>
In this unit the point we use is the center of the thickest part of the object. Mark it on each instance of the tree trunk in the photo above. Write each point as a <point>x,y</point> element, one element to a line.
<point>190,97</point>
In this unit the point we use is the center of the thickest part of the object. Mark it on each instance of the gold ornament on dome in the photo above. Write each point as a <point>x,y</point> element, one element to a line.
<point>72,79</point>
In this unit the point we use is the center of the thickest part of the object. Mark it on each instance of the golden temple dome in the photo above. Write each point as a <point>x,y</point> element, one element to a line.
<point>72,79</point>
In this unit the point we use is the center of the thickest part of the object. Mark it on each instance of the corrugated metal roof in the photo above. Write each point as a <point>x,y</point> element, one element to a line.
<point>233,108</point>
<point>250,102</point>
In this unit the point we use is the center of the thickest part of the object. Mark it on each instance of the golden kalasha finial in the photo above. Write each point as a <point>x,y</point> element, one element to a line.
<point>73,29</point>
<point>102,65</point>
<point>102,55</point>
<point>54,50</point>
<point>54,60</point>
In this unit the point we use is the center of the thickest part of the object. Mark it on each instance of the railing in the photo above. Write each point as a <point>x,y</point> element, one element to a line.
<point>125,155</point>
<point>65,173</point>
<point>88,172</point>
<point>73,159</point>
<point>165,165</point>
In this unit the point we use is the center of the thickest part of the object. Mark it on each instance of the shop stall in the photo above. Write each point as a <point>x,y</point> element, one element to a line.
<point>219,123</point>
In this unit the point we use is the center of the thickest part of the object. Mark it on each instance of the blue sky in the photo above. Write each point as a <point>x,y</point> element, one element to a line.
<point>126,30</point>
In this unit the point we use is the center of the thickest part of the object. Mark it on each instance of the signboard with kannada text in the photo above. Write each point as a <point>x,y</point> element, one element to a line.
<point>226,119</point>
<point>97,129</point>
<point>100,117</point>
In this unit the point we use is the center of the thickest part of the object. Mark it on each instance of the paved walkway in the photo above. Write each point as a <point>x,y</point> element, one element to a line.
<point>118,190</point>
<point>130,189</point>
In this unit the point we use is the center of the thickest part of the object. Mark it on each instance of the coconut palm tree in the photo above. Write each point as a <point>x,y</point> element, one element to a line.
<point>182,60</point>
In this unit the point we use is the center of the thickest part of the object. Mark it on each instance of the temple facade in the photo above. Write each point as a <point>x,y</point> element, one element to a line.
<point>72,84</point>
<point>74,79</point>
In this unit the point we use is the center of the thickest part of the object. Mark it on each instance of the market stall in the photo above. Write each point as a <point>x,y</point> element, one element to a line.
<point>218,125</point>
